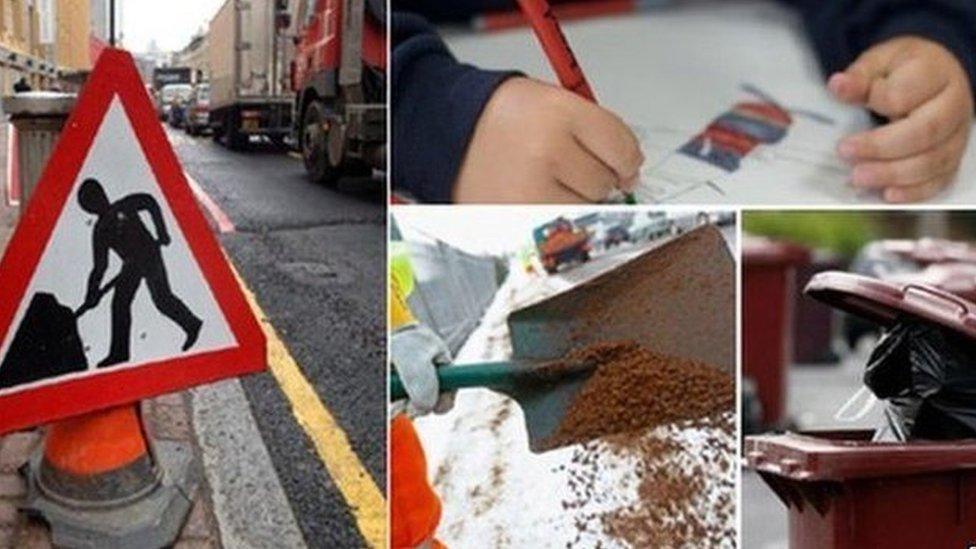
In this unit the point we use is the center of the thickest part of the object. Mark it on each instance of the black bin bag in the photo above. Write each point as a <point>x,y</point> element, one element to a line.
<point>927,375</point>
<point>46,345</point>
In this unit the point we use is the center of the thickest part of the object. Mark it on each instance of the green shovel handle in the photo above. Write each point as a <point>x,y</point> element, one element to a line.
<point>452,378</point>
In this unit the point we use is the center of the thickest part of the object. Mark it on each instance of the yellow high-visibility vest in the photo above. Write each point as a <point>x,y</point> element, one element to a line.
<point>401,285</point>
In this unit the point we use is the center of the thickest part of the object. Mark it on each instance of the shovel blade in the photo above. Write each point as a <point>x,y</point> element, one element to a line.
<point>677,298</point>
<point>544,391</point>
<point>544,411</point>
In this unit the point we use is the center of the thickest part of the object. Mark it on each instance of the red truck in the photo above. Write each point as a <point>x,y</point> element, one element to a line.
<point>338,77</point>
<point>561,242</point>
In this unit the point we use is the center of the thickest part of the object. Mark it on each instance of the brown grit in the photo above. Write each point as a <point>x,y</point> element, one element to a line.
<point>636,389</point>
<point>684,496</point>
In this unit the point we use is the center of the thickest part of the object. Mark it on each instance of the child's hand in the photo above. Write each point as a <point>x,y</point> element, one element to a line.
<point>539,143</point>
<point>925,92</point>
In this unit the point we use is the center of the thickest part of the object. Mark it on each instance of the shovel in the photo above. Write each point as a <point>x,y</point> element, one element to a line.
<point>677,298</point>
<point>543,389</point>
<point>85,307</point>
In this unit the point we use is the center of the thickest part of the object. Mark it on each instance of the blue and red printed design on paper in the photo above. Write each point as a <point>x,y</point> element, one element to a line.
<point>731,136</point>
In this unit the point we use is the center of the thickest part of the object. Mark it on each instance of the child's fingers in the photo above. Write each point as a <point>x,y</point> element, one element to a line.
<point>908,85</point>
<point>536,189</point>
<point>853,85</point>
<point>850,88</point>
<point>924,128</point>
<point>916,193</point>
<point>586,175</point>
<point>557,193</point>
<point>940,160</point>
<point>609,139</point>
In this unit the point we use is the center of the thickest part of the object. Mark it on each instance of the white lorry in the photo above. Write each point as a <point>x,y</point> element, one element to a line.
<point>246,95</point>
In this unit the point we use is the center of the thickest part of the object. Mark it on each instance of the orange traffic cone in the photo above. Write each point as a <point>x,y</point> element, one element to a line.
<point>98,483</point>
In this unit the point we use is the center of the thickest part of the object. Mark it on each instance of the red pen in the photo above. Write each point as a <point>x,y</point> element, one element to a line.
<point>569,11</point>
<point>554,43</point>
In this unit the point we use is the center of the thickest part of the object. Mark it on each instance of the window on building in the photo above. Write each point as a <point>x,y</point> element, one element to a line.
<point>19,14</point>
<point>309,6</point>
<point>7,18</point>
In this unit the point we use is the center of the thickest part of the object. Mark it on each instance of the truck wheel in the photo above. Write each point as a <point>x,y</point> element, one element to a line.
<point>235,140</point>
<point>278,142</point>
<point>315,146</point>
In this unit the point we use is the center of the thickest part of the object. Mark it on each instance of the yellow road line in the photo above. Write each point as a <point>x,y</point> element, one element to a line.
<point>364,498</point>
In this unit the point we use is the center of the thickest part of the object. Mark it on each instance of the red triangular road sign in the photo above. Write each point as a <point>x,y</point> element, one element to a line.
<point>113,288</point>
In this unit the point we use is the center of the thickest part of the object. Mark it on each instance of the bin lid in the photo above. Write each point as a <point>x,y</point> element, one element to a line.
<point>39,103</point>
<point>847,455</point>
<point>932,250</point>
<point>757,250</point>
<point>884,301</point>
<point>955,278</point>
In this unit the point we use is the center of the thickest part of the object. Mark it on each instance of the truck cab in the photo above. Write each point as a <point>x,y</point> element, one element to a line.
<point>561,242</point>
<point>338,78</point>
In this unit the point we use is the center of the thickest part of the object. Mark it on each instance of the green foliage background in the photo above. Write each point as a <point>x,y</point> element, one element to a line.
<point>843,233</point>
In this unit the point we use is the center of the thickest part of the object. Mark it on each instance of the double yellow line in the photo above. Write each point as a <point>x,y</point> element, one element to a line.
<point>365,500</point>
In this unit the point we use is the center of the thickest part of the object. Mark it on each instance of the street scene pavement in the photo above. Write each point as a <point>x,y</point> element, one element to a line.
<point>311,254</point>
<point>293,457</point>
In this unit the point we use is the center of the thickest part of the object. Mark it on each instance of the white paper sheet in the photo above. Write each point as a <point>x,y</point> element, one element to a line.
<point>669,71</point>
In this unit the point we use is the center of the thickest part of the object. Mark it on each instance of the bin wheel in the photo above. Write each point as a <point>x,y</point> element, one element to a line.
<point>315,146</point>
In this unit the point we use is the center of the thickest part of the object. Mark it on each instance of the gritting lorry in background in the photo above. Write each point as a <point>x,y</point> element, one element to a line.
<point>245,54</point>
<point>338,78</point>
<point>162,77</point>
<point>560,242</point>
<point>170,75</point>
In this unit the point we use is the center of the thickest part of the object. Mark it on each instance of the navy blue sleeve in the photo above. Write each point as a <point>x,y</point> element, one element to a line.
<point>436,102</point>
<point>452,10</point>
<point>842,29</point>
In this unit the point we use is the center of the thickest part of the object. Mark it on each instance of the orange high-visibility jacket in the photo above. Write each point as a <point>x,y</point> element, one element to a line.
<point>415,510</point>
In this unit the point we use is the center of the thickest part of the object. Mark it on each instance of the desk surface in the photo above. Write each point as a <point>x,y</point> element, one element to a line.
<point>670,70</point>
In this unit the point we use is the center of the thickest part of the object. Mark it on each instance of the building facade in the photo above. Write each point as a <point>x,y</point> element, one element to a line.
<point>43,41</point>
<point>73,35</point>
<point>195,56</point>
<point>23,52</point>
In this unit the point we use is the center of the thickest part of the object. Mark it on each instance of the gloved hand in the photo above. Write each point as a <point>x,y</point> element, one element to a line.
<point>416,352</point>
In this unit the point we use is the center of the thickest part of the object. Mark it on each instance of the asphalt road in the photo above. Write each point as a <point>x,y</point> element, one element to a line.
<point>315,258</point>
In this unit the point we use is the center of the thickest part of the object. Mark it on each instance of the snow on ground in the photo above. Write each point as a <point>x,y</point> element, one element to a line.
<point>495,492</point>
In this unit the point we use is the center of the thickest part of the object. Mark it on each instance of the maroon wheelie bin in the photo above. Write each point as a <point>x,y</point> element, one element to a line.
<point>768,289</point>
<point>929,251</point>
<point>845,491</point>
<point>955,278</point>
